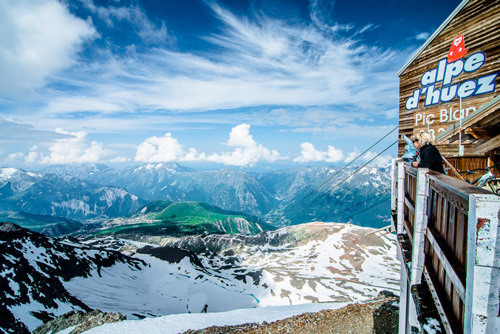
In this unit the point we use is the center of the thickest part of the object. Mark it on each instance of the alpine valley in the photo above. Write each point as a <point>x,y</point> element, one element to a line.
<point>163,239</point>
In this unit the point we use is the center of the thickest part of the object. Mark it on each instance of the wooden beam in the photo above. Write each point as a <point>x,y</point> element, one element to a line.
<point>479,133</point>
<point>489,145</point>
<point>450,269</point>
<point>437,302</point>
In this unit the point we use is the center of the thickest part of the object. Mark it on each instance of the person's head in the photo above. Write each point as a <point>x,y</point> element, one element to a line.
<point>423,138</point>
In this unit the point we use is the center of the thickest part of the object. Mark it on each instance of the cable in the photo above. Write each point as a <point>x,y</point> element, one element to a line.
<point>347,178</point>
<point>350,163</point>
<point>368,200</point>
<point>368,208</point>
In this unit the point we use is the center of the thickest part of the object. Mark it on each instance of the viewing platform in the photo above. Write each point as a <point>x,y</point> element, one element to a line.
<point>449,247</point>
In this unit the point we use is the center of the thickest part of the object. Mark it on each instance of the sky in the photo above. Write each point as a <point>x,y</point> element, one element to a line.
<point>229,83</point>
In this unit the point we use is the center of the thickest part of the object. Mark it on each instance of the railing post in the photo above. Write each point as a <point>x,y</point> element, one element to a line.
<point>394,192</point>
<point>403,298</point>
<point>419,226</point>
<point>401,197</point>
<point>482,307</point>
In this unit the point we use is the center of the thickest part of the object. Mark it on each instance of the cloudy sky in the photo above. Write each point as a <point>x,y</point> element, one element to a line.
<point>204,82</point>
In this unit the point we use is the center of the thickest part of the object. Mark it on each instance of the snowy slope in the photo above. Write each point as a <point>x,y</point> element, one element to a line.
<point>310,263</point>
<point>314,262</point>
<point>32,271</point>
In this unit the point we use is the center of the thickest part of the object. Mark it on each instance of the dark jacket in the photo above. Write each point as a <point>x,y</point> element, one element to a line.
<point>431,158</point>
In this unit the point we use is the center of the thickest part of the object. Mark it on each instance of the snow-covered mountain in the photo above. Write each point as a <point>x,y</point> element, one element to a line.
<point>278,197</point>
<point>43,277</point>
<point>34,269</point>
<point>62,195</point>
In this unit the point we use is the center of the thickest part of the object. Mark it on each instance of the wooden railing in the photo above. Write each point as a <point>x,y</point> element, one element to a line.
<point>446,247</point>
<point>410,197</point>
<point>435,214</point>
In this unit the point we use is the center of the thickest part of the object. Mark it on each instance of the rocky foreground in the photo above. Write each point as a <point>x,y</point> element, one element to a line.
<point>377,317</point>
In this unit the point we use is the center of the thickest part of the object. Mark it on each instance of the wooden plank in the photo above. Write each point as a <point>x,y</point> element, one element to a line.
<point>451,235</point>
<point>437,302</point>
<point>444,221</point>
<point>452,270</point>
<point>400,200</point>
<point>479,133</point>
<point>489,145</point>
<point>461,239</point>
<point>458,308</point>
<point>409,204</point>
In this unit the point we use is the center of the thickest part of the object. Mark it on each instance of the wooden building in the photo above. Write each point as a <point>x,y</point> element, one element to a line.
<point>448,231</point>
<point>454,78</point>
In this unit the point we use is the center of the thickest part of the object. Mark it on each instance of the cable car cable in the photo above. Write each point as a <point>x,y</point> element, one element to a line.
<point>345,179</point>
<point>350,163</point>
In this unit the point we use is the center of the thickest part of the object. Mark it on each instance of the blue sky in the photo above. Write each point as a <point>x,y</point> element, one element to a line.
<point>203,83</point>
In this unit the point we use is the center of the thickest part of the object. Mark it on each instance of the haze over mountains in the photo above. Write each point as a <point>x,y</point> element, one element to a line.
<point>276,197</point>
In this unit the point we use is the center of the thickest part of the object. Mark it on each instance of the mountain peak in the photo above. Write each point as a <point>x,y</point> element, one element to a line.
<point>9,227</point>
<point>7,172</point>
<point>172,167</point>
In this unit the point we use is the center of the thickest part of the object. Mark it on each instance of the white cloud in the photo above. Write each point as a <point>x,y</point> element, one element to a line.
<point>240,136</point>
<point>379,161</point>
<point>246,151</point>
<point>352,155</point>
<point>145,29</point>
<point>37,39</point>
<point>14,157</point>
<point>260,62</point>
<point>159,149</point>
<point>309,154</point>
<point>423,36</point>
<point>120,159</point>
<point>74,149</point>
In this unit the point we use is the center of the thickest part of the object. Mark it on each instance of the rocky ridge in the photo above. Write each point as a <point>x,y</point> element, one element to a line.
<point>80,322</point>
<point>376,317</point>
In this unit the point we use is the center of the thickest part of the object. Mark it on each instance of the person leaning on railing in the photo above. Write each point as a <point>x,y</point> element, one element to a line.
<point>429,154</point>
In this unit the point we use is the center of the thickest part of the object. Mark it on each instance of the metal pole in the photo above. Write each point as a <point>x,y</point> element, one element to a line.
<point>460,148</point>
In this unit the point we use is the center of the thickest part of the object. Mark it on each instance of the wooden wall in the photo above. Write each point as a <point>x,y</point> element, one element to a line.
<point>479,23</point>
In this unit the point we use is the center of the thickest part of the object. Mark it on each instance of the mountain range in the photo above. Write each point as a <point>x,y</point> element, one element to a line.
<point>63,195</point>
<point>284,197</point>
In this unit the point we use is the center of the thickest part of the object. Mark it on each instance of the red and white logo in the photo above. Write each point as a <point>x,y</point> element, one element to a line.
<point>457,50</point>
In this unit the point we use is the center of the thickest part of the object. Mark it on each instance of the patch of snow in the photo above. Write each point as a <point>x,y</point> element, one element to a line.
<point>7,173</point>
